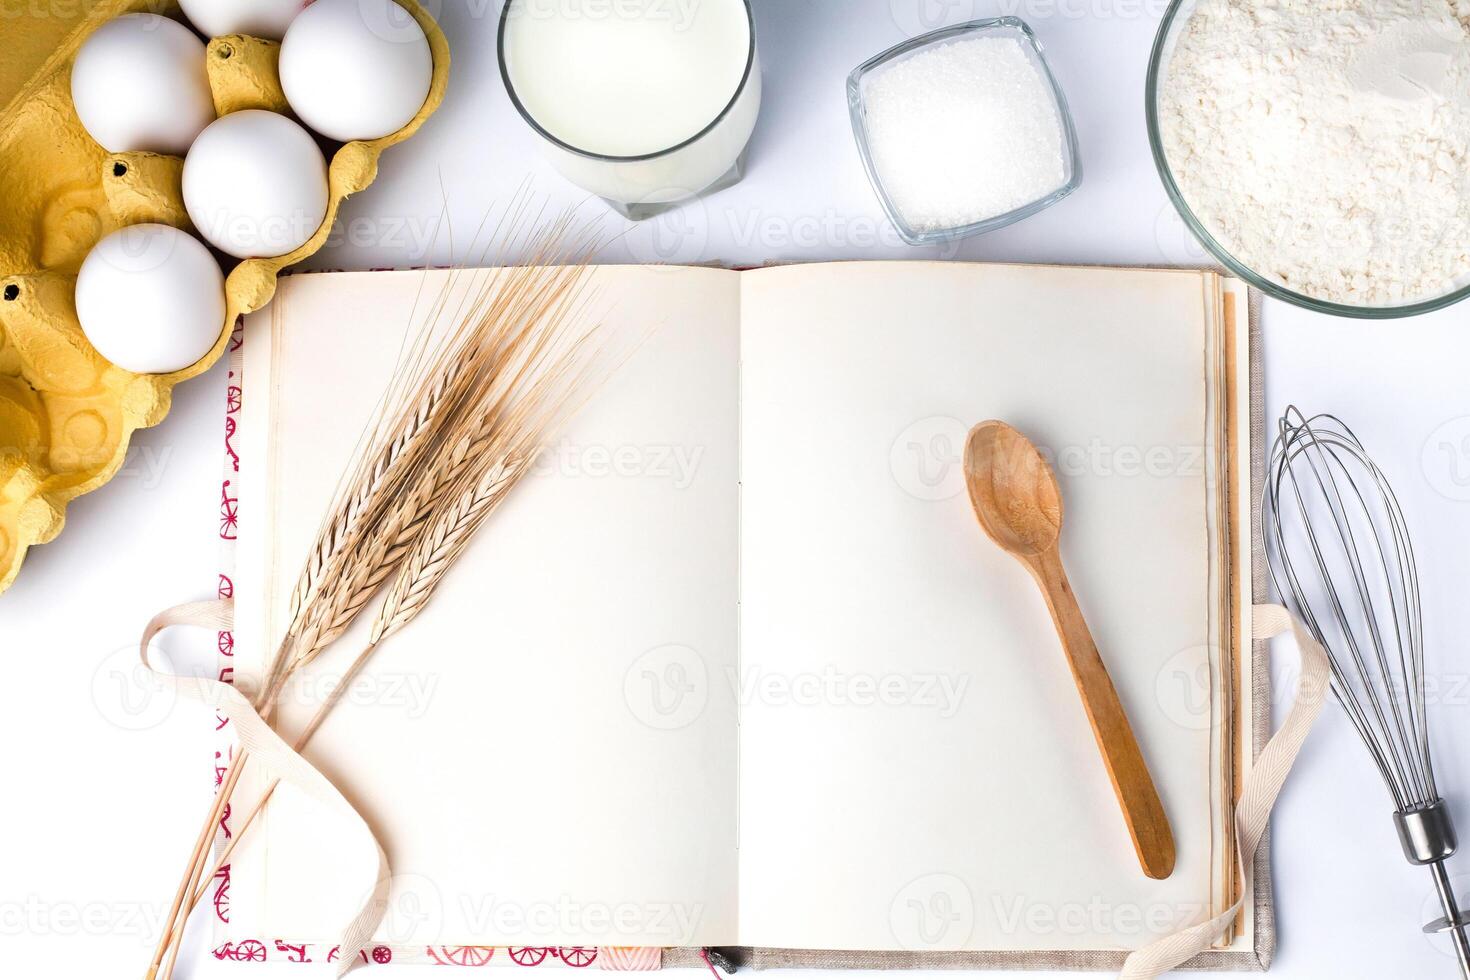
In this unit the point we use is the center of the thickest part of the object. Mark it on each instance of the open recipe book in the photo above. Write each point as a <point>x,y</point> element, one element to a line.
<point>736,666</point>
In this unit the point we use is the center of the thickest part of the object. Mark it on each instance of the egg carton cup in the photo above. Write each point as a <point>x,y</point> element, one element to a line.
<point>66,413</point>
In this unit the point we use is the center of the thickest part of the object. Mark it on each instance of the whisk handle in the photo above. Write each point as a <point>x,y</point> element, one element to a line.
<point>1454,921</point>
<point>1148,824</point>
<point>1427,834</point>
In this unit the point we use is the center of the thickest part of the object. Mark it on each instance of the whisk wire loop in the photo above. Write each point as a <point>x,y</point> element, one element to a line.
<point>1351,577</point>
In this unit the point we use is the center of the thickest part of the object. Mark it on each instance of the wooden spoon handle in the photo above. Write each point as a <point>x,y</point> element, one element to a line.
<point>1148,825</point>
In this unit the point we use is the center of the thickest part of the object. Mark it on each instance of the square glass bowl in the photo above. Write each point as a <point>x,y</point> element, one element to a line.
<point>1012,27</point>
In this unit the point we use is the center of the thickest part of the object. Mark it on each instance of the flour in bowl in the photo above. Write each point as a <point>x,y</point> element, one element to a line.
<point>1327,145</point>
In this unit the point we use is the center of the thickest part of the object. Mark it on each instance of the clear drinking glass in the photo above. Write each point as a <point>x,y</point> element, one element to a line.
<point>648,184</point>
<point>1012,27</point>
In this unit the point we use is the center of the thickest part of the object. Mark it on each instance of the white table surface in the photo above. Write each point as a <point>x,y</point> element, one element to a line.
<point>103,794</point>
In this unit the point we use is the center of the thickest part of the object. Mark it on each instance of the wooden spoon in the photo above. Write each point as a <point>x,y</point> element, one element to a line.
<point>1020,507</point>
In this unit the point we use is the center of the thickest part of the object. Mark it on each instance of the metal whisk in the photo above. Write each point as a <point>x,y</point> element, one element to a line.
<point>1341,559</point>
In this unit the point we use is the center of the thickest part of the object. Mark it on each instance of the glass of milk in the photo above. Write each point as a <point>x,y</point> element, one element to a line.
<point>644,103</point>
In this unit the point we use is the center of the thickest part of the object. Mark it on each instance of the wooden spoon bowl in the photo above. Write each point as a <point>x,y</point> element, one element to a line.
<point>1013,491</point>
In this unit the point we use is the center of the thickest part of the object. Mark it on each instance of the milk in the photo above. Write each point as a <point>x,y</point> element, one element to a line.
<point>642,102</point>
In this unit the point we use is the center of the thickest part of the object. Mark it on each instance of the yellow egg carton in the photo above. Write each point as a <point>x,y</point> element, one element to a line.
<point>66,413</point>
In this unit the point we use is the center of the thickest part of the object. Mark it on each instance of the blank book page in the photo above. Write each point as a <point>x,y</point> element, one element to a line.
<point>916,770</point>
<point>548,753</point>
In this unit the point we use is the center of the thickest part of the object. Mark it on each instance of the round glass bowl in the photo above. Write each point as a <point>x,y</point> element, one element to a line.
<point>1012,27</point>
<point>1174,20</point>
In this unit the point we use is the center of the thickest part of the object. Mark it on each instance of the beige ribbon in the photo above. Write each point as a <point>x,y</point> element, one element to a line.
<point>1263,785</point>
<point>271,752</point>
<point>1251,816</point>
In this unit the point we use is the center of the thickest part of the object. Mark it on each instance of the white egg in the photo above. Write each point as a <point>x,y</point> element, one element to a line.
<point>139,83</point>
<point>151,299</point>
<point>258,18</point>
<point>255,184</point>
<point>356,69</point>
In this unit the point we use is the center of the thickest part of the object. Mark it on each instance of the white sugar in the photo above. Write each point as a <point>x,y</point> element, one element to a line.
<point>964,131</point>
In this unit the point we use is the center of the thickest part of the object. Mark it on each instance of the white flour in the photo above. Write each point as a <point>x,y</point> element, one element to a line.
<point>1326,143</point>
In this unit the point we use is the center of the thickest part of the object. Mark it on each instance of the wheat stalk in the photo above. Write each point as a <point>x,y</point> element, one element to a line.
<point>453,434</point>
